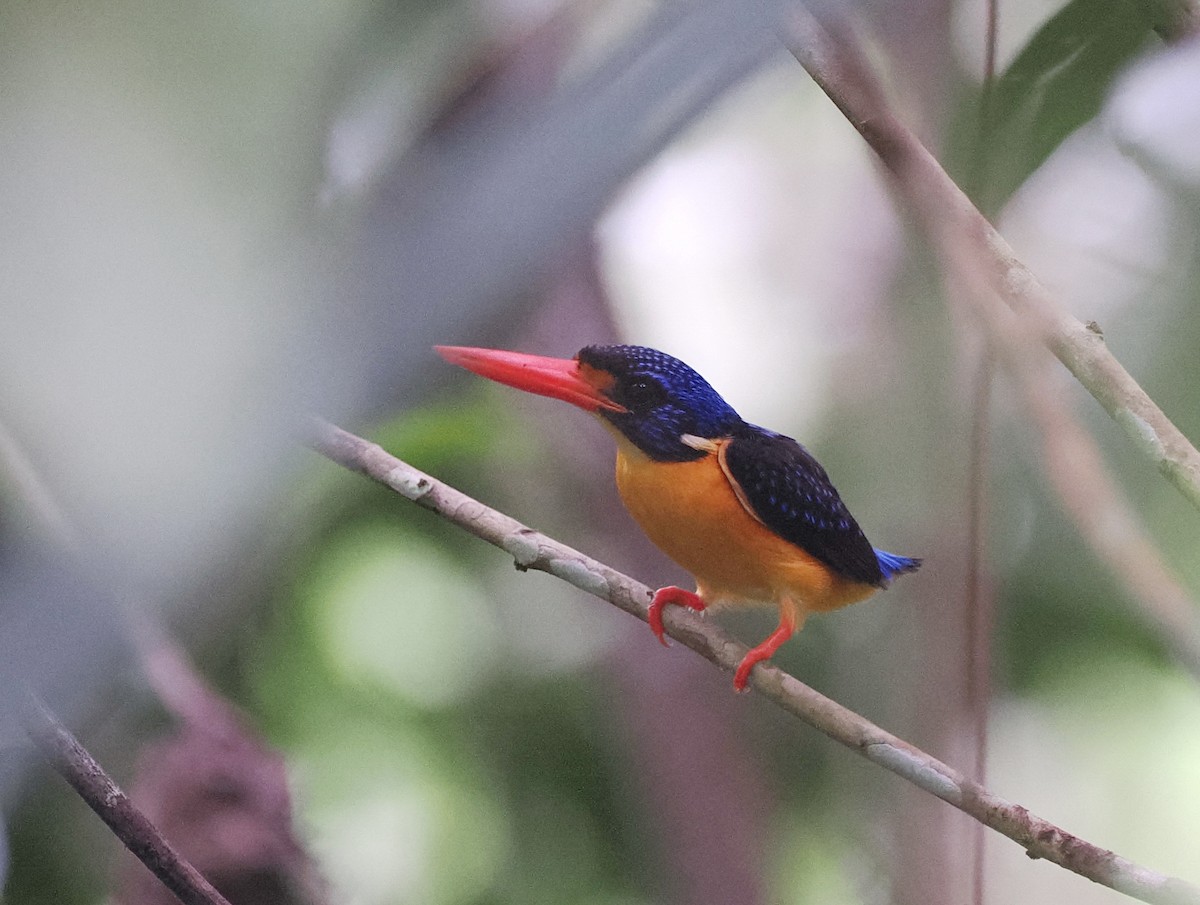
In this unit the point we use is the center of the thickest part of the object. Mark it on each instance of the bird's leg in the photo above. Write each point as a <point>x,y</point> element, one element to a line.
<point>766,650</point>
<point>669,596</point>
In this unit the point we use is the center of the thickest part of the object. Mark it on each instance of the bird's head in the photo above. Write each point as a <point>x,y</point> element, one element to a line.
<point>657,402</point>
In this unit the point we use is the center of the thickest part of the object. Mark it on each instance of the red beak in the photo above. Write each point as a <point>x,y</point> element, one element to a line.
<point>558,378</point>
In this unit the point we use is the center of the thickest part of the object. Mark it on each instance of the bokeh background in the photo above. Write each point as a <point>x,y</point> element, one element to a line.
<point>220,217</point>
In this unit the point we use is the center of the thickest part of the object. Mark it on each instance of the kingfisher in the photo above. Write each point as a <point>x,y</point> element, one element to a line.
<point>748,512</point>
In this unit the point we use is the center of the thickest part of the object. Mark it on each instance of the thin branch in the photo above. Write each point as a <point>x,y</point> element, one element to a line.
<point>74,764</point>
<point>1020,316</point>
<point>979,600</point>
<point>945,211</point>
<point>184,694</point>
<point>532,550</point>
<point>990,41</point>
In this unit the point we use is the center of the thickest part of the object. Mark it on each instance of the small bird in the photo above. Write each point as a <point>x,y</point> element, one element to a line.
<point>748,512</point>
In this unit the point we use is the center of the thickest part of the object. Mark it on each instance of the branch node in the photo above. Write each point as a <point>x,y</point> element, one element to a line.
<point>523,547</point>
<point>579,574</point>
<point>408,485</point>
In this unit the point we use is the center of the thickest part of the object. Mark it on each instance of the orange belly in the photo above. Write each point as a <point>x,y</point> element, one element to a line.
<point>690,512</point>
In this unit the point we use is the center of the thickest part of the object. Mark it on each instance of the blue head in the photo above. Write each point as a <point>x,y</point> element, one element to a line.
<point>658,400</point>
<point>654,400</point>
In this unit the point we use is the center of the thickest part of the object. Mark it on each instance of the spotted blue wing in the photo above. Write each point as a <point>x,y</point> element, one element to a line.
<point>787,490</point>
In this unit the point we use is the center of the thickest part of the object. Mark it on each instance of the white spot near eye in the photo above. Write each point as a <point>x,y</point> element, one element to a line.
<point>699,443</point>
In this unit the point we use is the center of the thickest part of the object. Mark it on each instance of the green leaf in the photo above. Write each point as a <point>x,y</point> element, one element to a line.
<point>1057,83</point>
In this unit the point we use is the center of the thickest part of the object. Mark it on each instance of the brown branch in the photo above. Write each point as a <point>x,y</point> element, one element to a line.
<point>532,550</point>
<point>74,764</point>
<point>1022,319</point>
<point>949,217</point>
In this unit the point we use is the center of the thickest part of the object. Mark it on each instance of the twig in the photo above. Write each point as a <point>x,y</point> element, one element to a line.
<point>978,596</point>
<point>1019,316</point>
<point>990,41</point>
<point>945,211</point>
<point>532,550</point>
<point>72,761</point>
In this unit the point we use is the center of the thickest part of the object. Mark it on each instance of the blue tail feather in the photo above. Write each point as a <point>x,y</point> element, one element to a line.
<point>892,564</point>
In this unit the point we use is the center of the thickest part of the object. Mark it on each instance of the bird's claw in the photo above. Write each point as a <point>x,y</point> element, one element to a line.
<point>742,676</point>
<point>670,596</point>
<point>764,651</point>
<point>654,616</point>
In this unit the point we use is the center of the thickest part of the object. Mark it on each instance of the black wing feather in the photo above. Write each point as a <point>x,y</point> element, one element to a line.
<point>790,493</point>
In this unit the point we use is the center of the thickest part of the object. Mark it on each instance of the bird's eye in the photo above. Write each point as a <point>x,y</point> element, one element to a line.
<point>643,393</point>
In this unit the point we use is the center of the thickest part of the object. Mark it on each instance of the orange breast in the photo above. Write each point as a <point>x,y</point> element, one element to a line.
<point>690,511</point>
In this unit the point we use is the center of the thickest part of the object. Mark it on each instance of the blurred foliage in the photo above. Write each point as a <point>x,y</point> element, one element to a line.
<point>449,722</point>
<point>1056,83</point>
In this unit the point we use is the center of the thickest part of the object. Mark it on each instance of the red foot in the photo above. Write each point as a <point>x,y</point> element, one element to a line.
<point>764,651</point>
<point>670,596</point>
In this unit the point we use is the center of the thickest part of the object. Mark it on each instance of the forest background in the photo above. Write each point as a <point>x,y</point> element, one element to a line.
<point>220,218</point>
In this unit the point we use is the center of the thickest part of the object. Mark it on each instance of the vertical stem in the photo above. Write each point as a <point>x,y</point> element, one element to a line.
<point>979,596</point>
<point>990,37</point>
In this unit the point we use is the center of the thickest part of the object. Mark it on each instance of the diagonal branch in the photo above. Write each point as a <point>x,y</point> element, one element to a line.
<point>1021,317</point>
<point>947,214</point>
<point>72,761</point>
<point>532,550</point>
